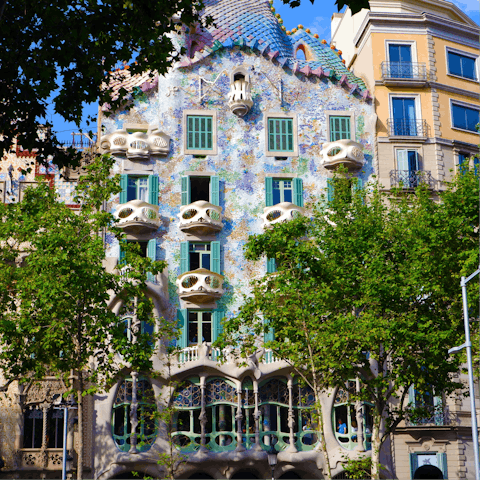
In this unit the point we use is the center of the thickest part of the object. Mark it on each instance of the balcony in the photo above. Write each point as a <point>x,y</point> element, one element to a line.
<point>239,98</point>
<point>200,286</point>
<point>430,416</point>
<point>404,128</point>
<point>411,179</point>
<point>136,146</point>
<point>281,212</point>
<point>38,459</point>
<point>200,218</point>
<point>404,74</point>
<point>342,152</point>
<point>137,216</point>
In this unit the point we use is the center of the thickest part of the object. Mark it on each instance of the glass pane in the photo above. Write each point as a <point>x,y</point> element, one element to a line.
<point>468,67</point>
<point>459,119</point>
<point>206,327</point>
<point>472,119</point>
<point>142,183</point>
<point>192,328</point>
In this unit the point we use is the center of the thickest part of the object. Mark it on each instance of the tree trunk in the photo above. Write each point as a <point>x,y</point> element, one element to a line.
<point>327,473</point>
<point>80,426</point>
<point>376,444</point>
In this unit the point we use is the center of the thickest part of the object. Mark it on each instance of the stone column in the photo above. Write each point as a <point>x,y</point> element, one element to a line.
<point>134,415</point>
<point>359,417</point>
<point>239,418</point>
<point>291,416</point>
<point>257,417</point>
<point>203,414</point>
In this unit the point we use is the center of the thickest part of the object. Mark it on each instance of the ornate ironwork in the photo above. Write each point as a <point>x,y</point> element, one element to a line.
<point>404,71</point>
<point>411,179</point>
<point>407,128</point>
<point>431,415</point>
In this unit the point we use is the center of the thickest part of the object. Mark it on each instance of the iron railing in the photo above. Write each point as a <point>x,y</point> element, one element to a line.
<point>407,128</point>
<point>404,71</point>
<point>434,415</point>
<point>80,141</point>
<point>411,179</point>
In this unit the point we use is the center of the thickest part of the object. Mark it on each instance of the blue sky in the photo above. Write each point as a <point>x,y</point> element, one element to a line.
<point>315,17</point>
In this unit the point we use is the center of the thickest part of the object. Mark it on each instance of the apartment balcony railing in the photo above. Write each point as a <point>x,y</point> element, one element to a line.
<point>38,459</point>
<point>200,286</point>
<point>404,71</point>
<point>431,416</point>
<point>407,128</point>
<point>411,179</point>
<point>138,216</point>
<point>194,353</point>
<point>281,212</point>
<point>200,218</point>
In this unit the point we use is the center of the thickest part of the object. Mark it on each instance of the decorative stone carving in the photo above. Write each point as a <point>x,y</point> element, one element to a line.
<point>343,152</point>
<point>200,218</point>
<point>137,145</point>
<point>200,286</point>
<point>281,212</point>
<point>43,391</point>
<point>138,216</point>
<point>240,98</point>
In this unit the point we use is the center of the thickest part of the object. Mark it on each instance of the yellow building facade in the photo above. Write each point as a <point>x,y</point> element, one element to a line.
<point>420,60</point>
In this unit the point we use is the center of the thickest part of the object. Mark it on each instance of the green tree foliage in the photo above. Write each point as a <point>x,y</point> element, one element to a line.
<point>54,289</point>
<point>354,5</point>
<point>368,288</point>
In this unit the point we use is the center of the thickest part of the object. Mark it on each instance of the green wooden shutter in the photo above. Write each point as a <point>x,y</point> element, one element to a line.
<point>182,325</point>
<point>185,190</point>
<point>298,192</point>
<point>269,191</point>
<point>271,265</point>
<point>152,255</point>
<point>280,135</point>
<point>215,263</point>
<point>121,256</point>
<point>413,464</point>
<point>215,190</point>
<point>269,335</point>
<point>217,317</point>
<point>339,128</point>
<point>124,187</point>
<point>184,259</point>
<point>442,463</point>
<point>153,189</point>
<point>330,189</point>
<point>199,132</point>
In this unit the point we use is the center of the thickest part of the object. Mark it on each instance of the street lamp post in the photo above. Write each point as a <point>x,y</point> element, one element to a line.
<point>61,404</point>
<point>468,346</point>
<point>272,459</point>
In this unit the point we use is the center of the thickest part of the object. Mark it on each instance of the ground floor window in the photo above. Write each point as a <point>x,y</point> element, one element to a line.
<point>34,431</point>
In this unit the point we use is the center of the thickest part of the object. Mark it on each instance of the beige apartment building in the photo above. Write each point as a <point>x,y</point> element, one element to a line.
<point>420,61</point>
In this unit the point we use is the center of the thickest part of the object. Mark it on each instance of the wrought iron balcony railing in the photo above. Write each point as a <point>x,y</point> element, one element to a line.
<point>404,71</point>
<point>407,128</point>
<point>411,179</point>
<point>433,416</point>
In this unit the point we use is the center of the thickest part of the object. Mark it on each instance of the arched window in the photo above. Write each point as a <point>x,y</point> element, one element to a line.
<point>186,424</point>
<point>305,425</point>
<point>221,402</point>
<point>146,430</point>
<point>300,53</point>
<point>273,405</point>
<point>344,419</point>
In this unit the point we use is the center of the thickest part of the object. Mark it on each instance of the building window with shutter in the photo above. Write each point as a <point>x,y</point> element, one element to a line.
<point>279,190</point>
<point>135,187</point>
<point>340,125</point>
<point>200,132</point>
<point>281,135</point>
<point>148,249</point>
<point>198,326</point>
<point>194,255</point>
<point>198,188</point>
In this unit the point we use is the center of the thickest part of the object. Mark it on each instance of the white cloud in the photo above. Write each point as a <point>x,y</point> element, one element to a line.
<point>321,26</point>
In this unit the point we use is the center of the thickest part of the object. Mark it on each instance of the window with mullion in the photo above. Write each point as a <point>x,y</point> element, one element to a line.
<point>465,118</point>
<point>280,135</point>
<point>199,327</point>
<point>199,132</point>
<point>200,255</point>
<point>461,65</point>
<point>282,191</point>
<point>137,188</point>
<point>339,128</point>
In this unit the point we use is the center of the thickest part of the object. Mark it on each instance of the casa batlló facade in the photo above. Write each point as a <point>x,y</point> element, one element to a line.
<point>245,131</point>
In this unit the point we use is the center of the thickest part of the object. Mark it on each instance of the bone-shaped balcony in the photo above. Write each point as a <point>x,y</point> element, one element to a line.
<point>342,152</point>
<point>200,218</point>
<point>239,98</point>
<point>138,216</point>
<point>136,146</point>
<point>281,212</point>
<point>200,286</point>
